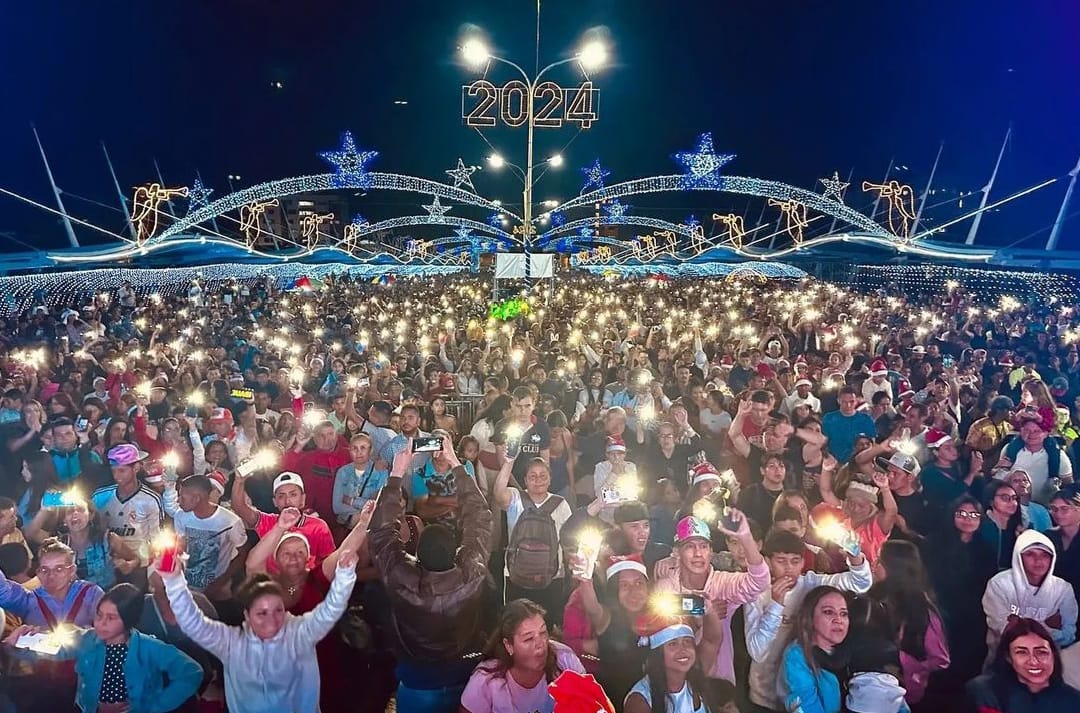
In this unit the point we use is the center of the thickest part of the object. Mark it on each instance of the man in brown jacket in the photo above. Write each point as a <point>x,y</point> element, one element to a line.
<point>436,598</point>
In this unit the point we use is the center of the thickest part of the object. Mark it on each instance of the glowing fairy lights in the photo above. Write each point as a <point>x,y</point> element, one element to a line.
<point>703,164</point>
<point>794,216</point>
<point>350,163</point>
<point>436,209</point>
<point>462,175</point>
<point>198,195</point>
<point>834,187</point>
<point>901,205</point>
<point>144,208</point>
<point>735,228</point>
<point>594,176</point>
<point>249,219</point>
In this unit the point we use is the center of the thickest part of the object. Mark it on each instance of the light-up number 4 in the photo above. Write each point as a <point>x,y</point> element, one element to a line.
<point>484,105</point>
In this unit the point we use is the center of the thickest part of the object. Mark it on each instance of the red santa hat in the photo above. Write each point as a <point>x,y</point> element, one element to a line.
<point>936,438</point>
<point>575,692</point>
<point>217,481</point>
<point>765,371</point>
<point>630,563</point>
<point>704,471</point>
<point>878,368</point>
<point>906,392</point>
<point>727,362</point>
<point>616,443</point>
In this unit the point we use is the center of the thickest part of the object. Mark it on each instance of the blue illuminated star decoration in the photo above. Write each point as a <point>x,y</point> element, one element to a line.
<point>703,164</point>
<point>198,196</point>
<point>557,218</point>
<point>350,164</point>
<point>594,176</point>
<point>691,221</point>
<point>494,220</point>
<point>615,209</point>
<point>436,209</point>
<point>464,234</point>
<point>586,234</point>
<point>462,175</point>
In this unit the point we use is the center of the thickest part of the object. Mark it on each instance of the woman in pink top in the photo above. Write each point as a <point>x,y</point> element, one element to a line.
<point>521,662</point>
<point>724,592</point>
<point>902,585</point>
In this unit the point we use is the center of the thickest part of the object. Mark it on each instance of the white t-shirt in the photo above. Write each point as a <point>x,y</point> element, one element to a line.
<point>211,544</point>
<point>1036,467</point>
<point>681,702</point>
<point>713,423</point>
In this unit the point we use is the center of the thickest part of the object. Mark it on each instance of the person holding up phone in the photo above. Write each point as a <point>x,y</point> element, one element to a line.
<point>723,592</point>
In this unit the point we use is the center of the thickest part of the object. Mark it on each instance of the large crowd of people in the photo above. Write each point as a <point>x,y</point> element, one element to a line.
<point>707,496</point>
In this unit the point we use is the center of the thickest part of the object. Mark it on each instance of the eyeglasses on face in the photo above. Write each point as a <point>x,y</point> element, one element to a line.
<point>967,514</point>
<point>60,569</point>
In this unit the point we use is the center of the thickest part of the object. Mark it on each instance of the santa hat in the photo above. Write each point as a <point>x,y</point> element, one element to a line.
<point>1006,361</point>
<point>878,368</point>
<point>616,444</point>
<point>804,382</point>
<point>918,349</point>
<point>217,481</point>
<point>727,362</point>
<point>936,438</point>
<point>220,415</point>
<point>704,471</point>
<point>765,371</point>
<point>155,471</point>
<point>906,392</point>
<point>630,563</point>
<point>657,638</point>
<point>575,692</point>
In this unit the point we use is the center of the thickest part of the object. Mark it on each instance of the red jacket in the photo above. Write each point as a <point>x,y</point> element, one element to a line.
<point>317,469</point>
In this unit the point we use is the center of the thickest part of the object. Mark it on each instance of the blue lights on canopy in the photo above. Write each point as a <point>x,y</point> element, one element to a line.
<point>701,171</point>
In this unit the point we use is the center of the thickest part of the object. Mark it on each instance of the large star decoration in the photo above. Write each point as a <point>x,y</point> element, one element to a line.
<point>834,187</point>
<point>350,163</point>
<point>495,220</point>
<point>691,222</point>
<point>198,196</point>
<point>586,234</point>
<point>436,209</point>
<point>615,209</point>
<point>557,218</point>
<point>462,175</point>
<point>703,164</point>
<point>464,234</point>
<point>594,176</point>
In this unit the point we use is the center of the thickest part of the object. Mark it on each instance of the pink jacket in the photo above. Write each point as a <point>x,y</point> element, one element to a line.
<point>734,588</point>
<point>916,672</point>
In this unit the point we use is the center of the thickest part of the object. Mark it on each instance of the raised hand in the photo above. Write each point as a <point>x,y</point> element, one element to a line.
<point>347,560</point>
<point>289,518</point>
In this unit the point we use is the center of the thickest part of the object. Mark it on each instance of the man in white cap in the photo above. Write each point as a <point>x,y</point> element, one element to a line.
<point>288,493</point>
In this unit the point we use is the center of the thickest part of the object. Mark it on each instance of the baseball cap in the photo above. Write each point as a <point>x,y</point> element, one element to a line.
<point>288,478</point>
<point>903,461</point>
<point>220,414</point>
<point>689,528</point>
<point>125,454</point>
<point>217,481</point>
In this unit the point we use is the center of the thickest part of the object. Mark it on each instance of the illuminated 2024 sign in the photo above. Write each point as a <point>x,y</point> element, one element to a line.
<point>483,104</point>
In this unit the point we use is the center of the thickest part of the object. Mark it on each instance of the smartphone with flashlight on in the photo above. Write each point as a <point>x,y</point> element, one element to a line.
<point>427,444</point>
<point>692,605</point>
<point>81,424</point>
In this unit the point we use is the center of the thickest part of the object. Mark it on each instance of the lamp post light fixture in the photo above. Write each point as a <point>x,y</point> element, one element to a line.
<point>591,57</point>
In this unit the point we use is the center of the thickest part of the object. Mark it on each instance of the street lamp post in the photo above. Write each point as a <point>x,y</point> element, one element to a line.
<point>592,56</point>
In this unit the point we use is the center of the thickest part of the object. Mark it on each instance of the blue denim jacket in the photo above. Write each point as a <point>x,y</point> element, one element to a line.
<point>148,660</point>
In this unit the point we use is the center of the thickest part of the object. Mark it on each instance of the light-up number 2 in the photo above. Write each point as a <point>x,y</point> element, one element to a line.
<point>483,113</point>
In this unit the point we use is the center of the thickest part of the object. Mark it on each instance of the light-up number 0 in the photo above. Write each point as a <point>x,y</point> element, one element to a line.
<point>485,105</point>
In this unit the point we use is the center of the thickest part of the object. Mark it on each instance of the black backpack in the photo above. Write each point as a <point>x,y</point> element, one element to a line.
<point>532,557</point>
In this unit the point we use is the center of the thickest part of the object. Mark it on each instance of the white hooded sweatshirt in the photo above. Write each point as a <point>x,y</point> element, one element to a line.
<point>1009,593</point>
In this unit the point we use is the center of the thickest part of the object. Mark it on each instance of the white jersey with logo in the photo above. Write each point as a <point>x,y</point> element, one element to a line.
<point>136,520</point>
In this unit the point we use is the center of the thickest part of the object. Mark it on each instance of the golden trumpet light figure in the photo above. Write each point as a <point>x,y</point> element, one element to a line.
<point>794,217</point>
<point>697,239</point>
<point>901,205</point>
<point>249,219</point>
<point>309,227</point>
<point>144,208</point>
<point>735,228</point>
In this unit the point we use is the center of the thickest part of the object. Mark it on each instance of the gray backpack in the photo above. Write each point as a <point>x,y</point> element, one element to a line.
<point>532,557</point>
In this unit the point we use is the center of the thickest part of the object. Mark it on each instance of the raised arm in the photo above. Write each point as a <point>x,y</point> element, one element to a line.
<point>501,489</point>
<point>316,624</point>
<point>475,514</point>
<point>889,509</point>
<point>352,542</point>
<point>384,542</point>
<point>241,505</point>
<point>14,598</point>
<point>735,434</point>
<point>213,636</point>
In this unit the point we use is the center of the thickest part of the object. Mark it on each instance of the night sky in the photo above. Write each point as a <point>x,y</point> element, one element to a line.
<point>797,88</point>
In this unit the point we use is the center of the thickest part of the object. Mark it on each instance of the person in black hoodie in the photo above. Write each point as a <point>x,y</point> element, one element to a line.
<point>1026,676</point>
<point>960,564</point>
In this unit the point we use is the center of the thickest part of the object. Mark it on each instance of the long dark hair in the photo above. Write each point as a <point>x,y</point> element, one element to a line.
<point>494,412</point>
<point>510,619</point>
<point>990,493</point>
<point>1003,670</point>
<point>43,477</point>
<point>906,596</point>
<point>802,628</point>
<point>658,688</point>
